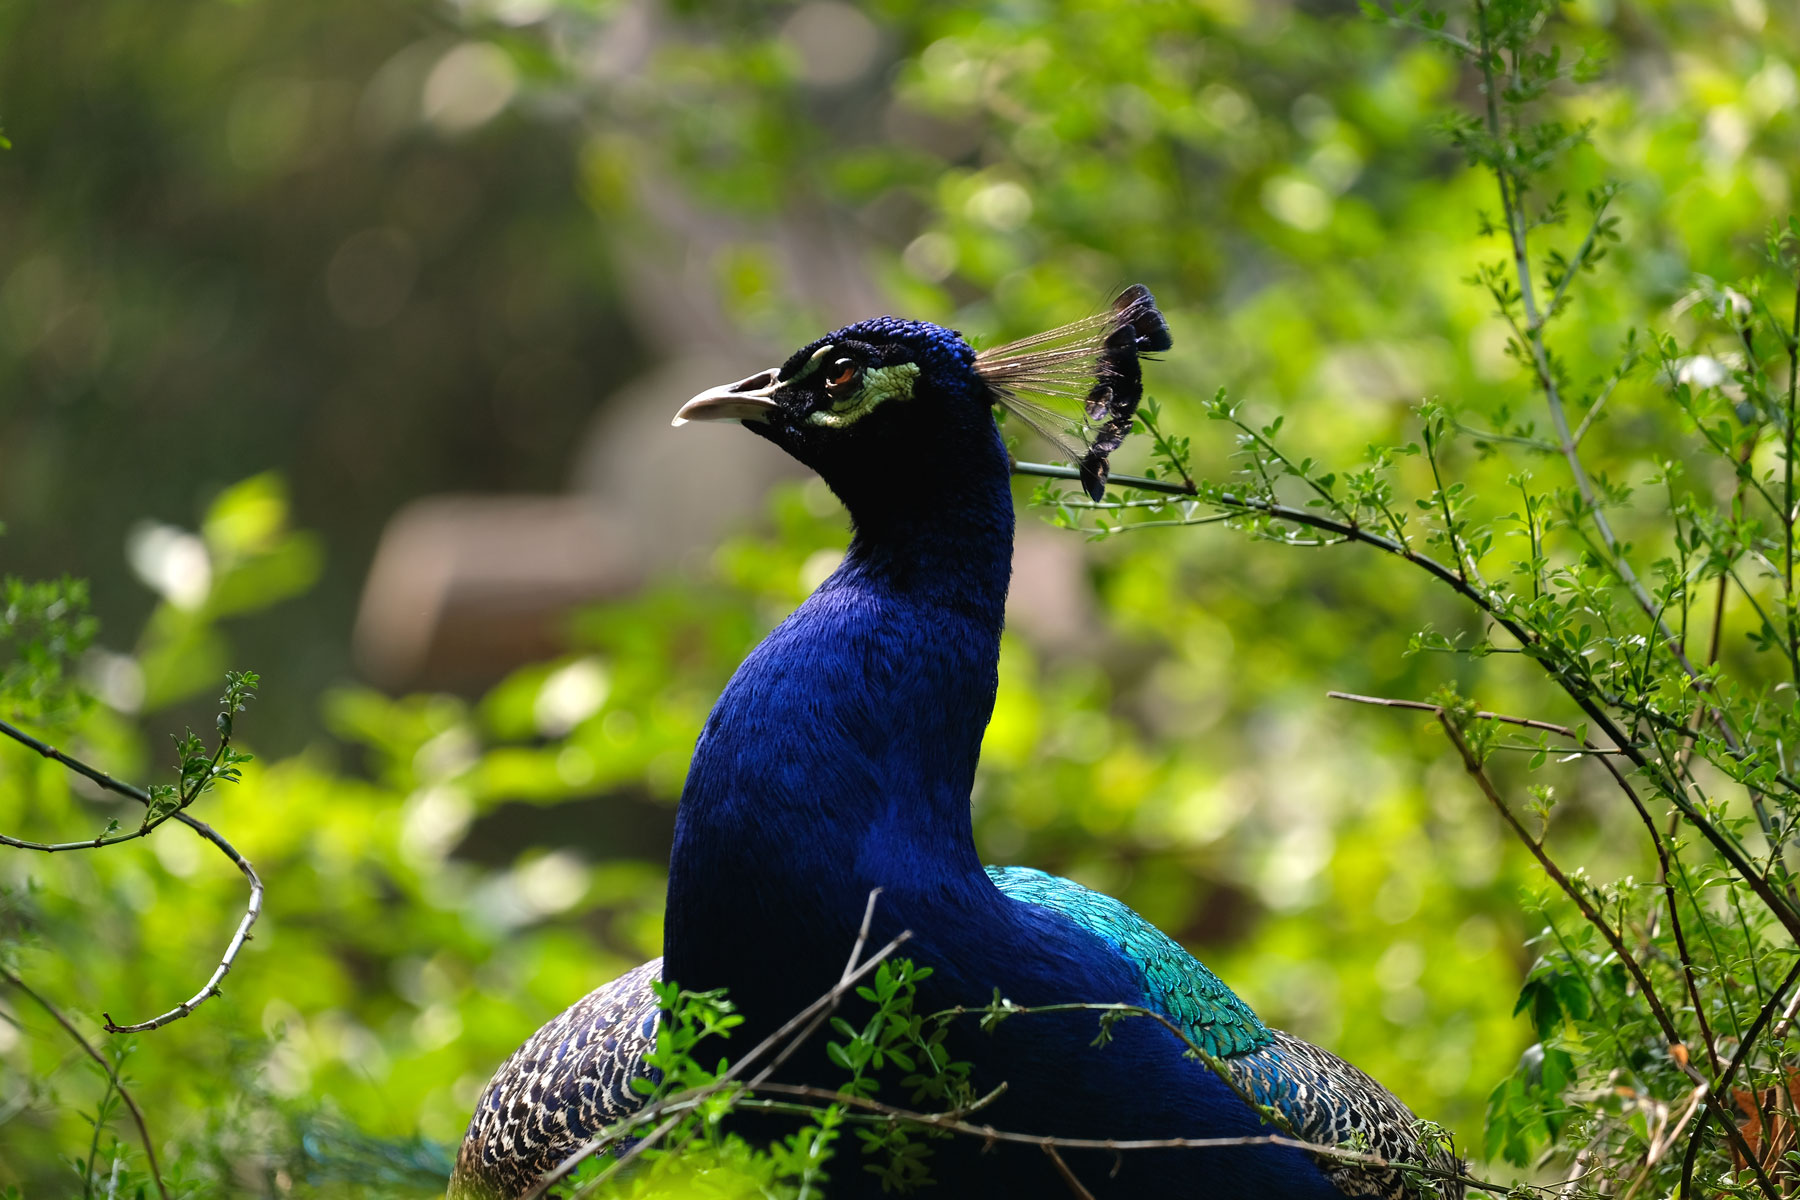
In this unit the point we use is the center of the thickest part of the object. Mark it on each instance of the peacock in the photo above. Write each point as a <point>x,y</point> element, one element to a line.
<point>840,759</point>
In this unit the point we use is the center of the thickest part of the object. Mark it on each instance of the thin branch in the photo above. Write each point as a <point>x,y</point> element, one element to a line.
<point>1575,264</point>
<point>779,1038</point>
<point>1660,1145</point>
<point>1268,1113</point>
<point>87,1168</point>
<point>1473,765</point>
<point>1788,515</point>
<point>1593,412</point>
<point>1164,446</point>
<point>137,1114</point>
<point>1787,1018</point>
<point>76,765</point>
<point>1687,971</point>
<point>647,1142</point>
<point>110,784</point>
<point>252,909</point>
<point>1737,1060</point>
<point>1580,692</point>
<point>988,1133</point>
<point>1510,439</point>
<point>670,1110</point>
<point>1466,566</point>
<point>1076,1187</point>
<point>824,1014</point>
<point>1533,336</point>
<point>1431,33</point>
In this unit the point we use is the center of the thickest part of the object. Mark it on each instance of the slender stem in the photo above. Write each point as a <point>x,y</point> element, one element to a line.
<point>1437,483</point>
<point>1712,941</point>
<point>778,1039</point>
<point>1165,447</point>
<point>80,768</point>
<point>1211,1061</point>
<point>988,1133</point>
<point>87,1172</point>
<point>1737,1060</point>
<point>1659,1145</point>
<point>1580,692</point>
<point>638,1147</point>
<point>1575,264</point>
<point>1540,360</point>
<point>1273,451</point>
<point>1075,1185</point>
<point>1510,439</point>
<point>252,909</point>
<point>1537,546</point>
<point>1593,412</point>
<point>1624,955</point>
<point>1788,515</point>
<point>110,784</point>
<point>1637,804</point>
<point>824,1014</point>
<point>137,1114</point>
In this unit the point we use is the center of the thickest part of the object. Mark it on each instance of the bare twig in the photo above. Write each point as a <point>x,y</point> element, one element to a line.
<point>1657,841</point>
<point>1076,1187</point>
<point>778,1039</point>
<point>1737,1060</point>
<point>137,1114</point>
<point>110,784</point>
<point>987,1133</point>
<point>824,1014</point>
<point>1787,1018</point>
<point>668,1112</point>
<point>252,909</point>
<point>1784,910</point>
<point>1660,1144</point>
<point>1788,514</point>
<point>1268,1113</point>
<point>1594,917</point>
<point>1594,409</point>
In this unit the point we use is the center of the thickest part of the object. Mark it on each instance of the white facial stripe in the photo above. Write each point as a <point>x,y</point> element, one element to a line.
<point>811,364</point>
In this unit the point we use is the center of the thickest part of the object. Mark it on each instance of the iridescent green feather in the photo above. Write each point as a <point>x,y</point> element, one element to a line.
<point>1176,984</point>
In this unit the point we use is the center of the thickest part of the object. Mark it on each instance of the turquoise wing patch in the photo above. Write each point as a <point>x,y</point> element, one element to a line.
<point>1176,984</point>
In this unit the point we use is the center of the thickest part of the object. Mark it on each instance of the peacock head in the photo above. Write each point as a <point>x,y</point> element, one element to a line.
<point>876,404</point>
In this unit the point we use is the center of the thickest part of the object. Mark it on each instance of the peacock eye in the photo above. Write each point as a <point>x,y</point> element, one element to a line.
<point>841,375</point>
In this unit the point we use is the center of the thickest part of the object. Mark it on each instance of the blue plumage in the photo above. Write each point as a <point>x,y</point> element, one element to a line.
<point>1174,982</point>
<point>840,758</point>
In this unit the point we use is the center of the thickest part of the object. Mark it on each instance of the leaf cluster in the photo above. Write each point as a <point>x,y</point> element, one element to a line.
<point>1651,998</point>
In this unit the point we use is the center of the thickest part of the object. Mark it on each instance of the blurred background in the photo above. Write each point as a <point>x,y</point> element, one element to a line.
<point>338,340</point>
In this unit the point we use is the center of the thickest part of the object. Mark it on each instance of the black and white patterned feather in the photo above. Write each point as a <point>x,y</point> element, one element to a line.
<point>570,1080</point>
<point>1329,1102</point>
<point>573,1076</point>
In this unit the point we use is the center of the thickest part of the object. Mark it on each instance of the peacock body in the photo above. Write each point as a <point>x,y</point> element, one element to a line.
<point>840,759</point>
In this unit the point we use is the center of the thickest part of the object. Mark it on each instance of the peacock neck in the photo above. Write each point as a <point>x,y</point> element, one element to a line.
<point>841,755</point>
<point>954,556</point>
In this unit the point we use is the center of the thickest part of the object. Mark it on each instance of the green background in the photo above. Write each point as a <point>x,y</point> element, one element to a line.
<point>446,871</point>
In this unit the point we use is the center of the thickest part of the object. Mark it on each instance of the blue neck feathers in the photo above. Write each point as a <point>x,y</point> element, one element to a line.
<point>841,755</point>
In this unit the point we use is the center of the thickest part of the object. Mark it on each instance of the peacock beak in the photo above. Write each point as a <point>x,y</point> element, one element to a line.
<point>746,400</point>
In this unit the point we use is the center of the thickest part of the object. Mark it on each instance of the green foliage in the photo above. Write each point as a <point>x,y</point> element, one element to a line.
<point>682,1143</point>
<point>44,630</point>
<point>197,770</point>
<point>1643,993</point>
<point>447,872</point>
